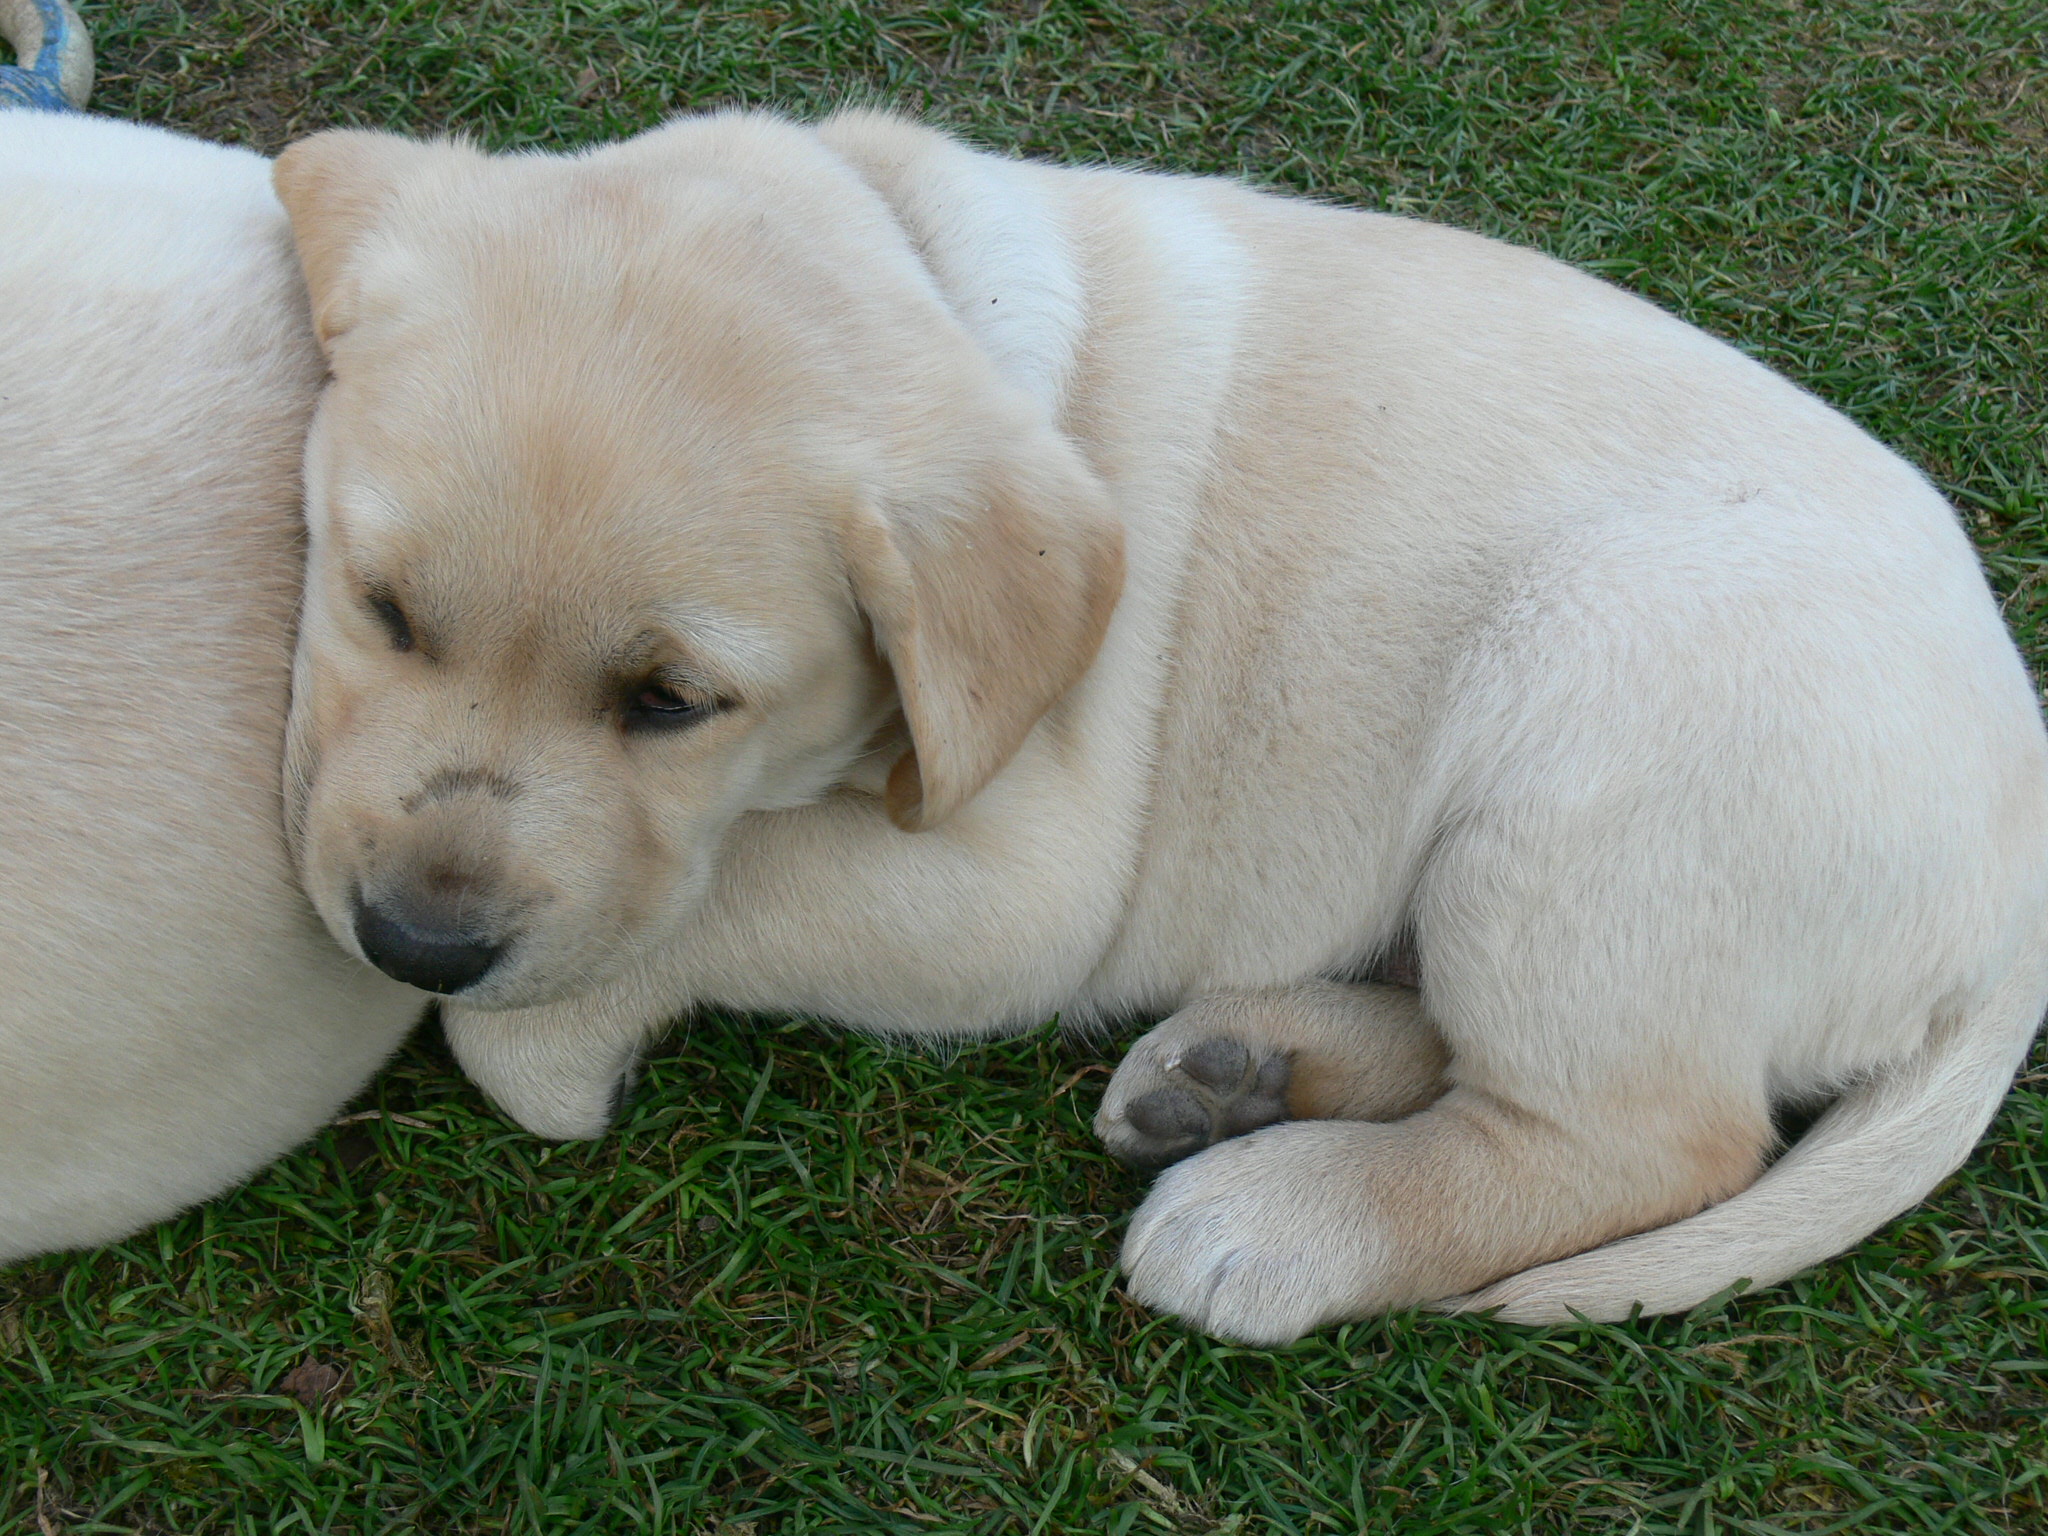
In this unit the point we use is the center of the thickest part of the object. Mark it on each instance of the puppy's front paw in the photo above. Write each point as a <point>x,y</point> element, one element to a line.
<point>1261,1239</point>
<point>1172,1097</point>
<point>561,1071</point>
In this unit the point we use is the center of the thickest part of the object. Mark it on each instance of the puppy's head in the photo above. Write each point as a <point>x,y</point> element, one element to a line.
<point>652,489</point>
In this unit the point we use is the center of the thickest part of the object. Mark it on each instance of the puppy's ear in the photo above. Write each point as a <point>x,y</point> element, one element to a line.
<point>987,614</point>
<point>336,186</point>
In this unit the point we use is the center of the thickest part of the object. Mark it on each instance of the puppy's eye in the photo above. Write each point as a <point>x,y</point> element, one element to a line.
<point>393,618</point>
<point>655,706</point>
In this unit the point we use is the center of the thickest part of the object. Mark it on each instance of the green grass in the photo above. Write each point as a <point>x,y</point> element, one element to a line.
<point>815,1286</point>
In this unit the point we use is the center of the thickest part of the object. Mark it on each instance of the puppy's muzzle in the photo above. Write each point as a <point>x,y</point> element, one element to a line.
<point>414,945</point>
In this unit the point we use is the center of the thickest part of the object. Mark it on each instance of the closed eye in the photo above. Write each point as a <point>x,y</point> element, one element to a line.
<point>656,706</point>
<point>387,612</point>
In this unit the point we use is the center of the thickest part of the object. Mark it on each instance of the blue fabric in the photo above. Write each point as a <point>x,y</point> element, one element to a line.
<point>33,83</point>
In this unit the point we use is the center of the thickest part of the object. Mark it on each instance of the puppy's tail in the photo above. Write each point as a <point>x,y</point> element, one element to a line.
<point>1881,1148</point>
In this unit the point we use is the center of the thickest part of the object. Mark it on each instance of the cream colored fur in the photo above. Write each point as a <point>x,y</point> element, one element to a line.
<point>172,1016</point>
<point>1462,597</point>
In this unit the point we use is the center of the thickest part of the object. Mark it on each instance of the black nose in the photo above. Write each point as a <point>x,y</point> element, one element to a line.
<point>419,954</point>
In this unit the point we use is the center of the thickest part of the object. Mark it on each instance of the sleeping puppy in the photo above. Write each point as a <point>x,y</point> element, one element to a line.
<point>172,1015</point>
<point>833,570</point>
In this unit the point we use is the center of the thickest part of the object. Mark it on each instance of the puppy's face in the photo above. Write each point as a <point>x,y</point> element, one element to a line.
<point>549,654</point>
<point>651,491</point>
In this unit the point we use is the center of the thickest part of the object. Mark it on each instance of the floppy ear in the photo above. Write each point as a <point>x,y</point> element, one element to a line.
<point>986,616</point>
<point>336,186</point>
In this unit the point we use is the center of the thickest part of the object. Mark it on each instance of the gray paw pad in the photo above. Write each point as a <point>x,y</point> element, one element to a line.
<point>1213,1090</point>
<point>1218,1062</point>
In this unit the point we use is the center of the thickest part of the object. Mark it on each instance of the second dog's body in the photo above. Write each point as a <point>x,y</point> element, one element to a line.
<point>1461,596</point>
<point>172,1017</point>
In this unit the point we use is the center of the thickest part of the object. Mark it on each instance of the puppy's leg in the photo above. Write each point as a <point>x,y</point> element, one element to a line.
<point>561,1070</point>
<point>1229,1064</point>
<point>1270,1235</point>
<point>1609,1000</point>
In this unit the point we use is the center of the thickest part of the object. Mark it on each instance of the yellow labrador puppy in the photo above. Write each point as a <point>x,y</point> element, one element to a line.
<point>835,570</point>
<point>172,1015</point>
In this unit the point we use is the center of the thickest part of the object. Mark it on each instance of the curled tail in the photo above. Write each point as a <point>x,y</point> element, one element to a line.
<point>1883,1146</point>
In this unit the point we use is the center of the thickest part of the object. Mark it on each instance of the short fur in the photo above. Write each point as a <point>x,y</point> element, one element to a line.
<point>172,1016</point>
<point>1462,598</point>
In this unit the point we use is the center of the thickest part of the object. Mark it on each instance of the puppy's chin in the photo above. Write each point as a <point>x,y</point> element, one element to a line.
<point>543,980</point>
<point>518,991</point>
<point>515,993</point>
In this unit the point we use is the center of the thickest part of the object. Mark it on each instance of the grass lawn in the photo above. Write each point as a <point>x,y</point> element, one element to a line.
<point>813,1285</point>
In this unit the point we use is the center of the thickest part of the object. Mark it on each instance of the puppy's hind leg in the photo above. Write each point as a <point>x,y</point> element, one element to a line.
<point>1230,1064</point>
<point>1265,1237</point>
<point>1601,1005</point>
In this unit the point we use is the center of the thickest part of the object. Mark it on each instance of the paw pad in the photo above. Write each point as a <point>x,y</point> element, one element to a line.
<point>1212,1090</point>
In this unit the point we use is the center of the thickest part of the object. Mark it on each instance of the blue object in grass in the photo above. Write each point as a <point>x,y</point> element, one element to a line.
<point>55,72</point>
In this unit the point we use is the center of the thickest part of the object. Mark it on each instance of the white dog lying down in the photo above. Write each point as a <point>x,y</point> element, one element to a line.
<point>835,570</point>
<point>171,1014</point>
